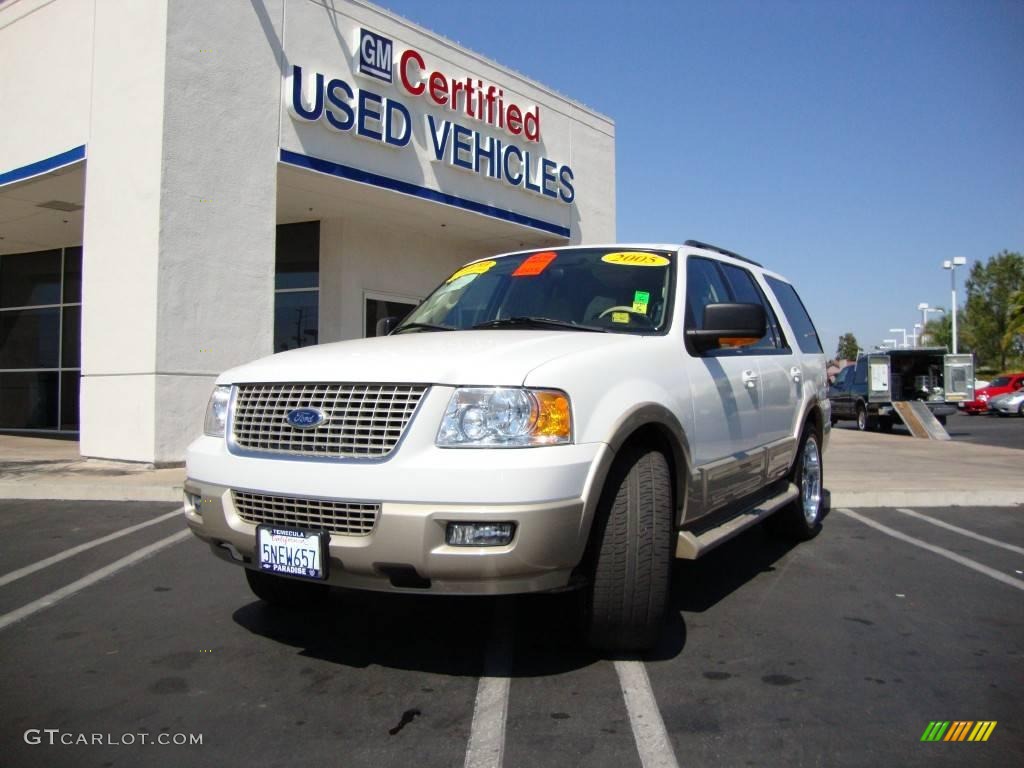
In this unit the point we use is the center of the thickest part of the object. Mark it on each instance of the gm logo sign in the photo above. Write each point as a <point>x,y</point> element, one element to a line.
<point>375,55</point>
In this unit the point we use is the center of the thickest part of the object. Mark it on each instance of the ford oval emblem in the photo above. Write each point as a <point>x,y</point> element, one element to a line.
<point>306,418</point>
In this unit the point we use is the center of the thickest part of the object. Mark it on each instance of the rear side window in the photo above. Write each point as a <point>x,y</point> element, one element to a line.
<point>796,314</point>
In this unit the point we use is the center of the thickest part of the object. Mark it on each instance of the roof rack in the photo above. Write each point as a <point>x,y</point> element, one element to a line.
<point>709,247</point>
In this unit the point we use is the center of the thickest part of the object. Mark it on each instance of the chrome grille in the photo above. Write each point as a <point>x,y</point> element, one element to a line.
<point>362,420</point>
<point>347,518</point>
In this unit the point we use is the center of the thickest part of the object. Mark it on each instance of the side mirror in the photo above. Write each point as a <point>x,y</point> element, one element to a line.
<point>386,325</point>
<point>730,326</point>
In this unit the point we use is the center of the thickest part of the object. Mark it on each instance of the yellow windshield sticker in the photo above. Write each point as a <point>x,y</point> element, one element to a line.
<point>635,259</point>
<point>620,317</point>
<point>473,269</point>
<point>640,301</point>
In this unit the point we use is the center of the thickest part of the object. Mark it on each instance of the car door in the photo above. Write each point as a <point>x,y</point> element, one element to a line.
<point>725,396</point>
<point>839,393</point>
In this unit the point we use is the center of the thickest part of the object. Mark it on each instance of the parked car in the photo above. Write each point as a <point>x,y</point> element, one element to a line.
<point>1009,404</point>
<point>1001,385</point>
<point>561,419</point>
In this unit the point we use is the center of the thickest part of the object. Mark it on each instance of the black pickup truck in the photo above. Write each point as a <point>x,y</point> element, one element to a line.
<point>865,391</point>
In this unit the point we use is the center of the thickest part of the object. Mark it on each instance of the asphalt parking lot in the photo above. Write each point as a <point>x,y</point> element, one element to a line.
<point>839,651</point>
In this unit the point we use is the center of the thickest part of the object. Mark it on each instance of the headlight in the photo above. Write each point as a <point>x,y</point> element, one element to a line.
<point>217,412</point>
<point>501,417</point>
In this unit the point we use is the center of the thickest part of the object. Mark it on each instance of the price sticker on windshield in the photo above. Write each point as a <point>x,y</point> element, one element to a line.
<point>473,269</point>
<point>640,301</point>
<point>535,264</point>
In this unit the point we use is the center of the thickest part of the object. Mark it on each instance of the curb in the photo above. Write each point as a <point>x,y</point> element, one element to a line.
<point>66,491</point>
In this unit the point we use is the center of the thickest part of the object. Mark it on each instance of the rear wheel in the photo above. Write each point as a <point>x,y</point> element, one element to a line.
<point>885,423</point>
<point>801,519</point>
<point>627,599</point>
<point>288,593</point>
<point>865,423</point>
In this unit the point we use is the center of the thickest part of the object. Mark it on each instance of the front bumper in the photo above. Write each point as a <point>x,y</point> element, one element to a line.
<point>546,491</point>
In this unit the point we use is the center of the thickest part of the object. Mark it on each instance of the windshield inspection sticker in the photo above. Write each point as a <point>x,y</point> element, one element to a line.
<point>535,264</point>
<point>473,269</point>
<point>635,259</point>
<point>620,317</point>
<point>640,301</point>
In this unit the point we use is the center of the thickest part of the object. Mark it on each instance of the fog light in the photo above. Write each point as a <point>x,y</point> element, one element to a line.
<point>194,503</point>
<point>479,534</point>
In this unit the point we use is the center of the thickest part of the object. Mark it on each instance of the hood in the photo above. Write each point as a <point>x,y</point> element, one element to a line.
<point>487,357</point>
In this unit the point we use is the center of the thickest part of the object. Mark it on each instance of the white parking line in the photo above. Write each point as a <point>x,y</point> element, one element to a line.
<point>962,531</point>
<point>76,586</point>
<point>965,561</point>
<point>652,741</point>
<point>486,747</point>
<point>38,566</point>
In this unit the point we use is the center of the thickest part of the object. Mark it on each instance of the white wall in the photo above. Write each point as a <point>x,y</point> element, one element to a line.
<point>45,78</point>
<point>121,231</point>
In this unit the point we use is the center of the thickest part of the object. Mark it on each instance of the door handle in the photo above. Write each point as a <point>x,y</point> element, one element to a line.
<point>750,379</point>
<point>796,373</point>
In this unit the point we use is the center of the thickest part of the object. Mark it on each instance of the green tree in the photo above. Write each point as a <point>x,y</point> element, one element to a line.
<point>848,346</point>
<point>1014,337</point>
<point>939,332</point>
<point>986,319</point>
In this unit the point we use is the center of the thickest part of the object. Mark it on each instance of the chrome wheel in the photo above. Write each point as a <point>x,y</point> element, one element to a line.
<point>862,419</point>
<point>810,481</point>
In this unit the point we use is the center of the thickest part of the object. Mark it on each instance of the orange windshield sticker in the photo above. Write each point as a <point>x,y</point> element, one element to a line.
<point>535,264</point>
<point>635,259</point>
<point>473,269</point>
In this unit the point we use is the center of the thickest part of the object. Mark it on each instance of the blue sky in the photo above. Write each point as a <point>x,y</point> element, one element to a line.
<point>851,146</point>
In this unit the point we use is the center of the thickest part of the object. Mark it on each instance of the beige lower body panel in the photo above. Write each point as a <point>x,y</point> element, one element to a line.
<point>548,543</point>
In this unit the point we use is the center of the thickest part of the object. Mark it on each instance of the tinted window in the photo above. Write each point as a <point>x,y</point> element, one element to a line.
<point>298,255</point>
<point>861,376</point>
<point>28,279</point>
<point>796,314</point>
<point>296,322</point>
<point>704,285</point>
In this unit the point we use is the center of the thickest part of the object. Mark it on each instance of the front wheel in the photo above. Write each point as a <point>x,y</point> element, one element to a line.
<point>628,596</point>
<point>801,518</point>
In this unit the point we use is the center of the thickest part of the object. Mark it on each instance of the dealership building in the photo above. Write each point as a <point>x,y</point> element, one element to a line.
<point>188,185</point>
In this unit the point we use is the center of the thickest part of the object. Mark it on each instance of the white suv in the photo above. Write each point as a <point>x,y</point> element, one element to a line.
<point>545,420</point>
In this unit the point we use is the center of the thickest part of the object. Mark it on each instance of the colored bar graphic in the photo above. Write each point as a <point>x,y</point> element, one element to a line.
<point>958,730</point>
<point>935,730</point>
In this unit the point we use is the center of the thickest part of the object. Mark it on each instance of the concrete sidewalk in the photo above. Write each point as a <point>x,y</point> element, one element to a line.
<point>862,469</point>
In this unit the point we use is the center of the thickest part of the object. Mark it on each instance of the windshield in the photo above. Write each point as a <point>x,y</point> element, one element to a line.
<point>588,289</point>
<point>1000,381</point>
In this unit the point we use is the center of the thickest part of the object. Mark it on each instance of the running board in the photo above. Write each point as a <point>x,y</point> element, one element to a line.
<point>690,547</point>
<point>920,420</point>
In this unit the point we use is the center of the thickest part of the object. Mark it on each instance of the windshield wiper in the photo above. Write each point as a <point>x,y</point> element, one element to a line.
<point>536,322</point>
<point>421,327</point>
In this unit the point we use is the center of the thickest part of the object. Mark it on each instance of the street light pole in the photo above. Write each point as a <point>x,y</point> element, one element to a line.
<point>925,309</point>
<point>903,331</point>
<point>957,261</point>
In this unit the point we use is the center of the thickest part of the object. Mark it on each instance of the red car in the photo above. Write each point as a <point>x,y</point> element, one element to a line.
<point>1000,385</point>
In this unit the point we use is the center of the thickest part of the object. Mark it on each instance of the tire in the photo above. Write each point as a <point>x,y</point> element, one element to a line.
<point>627,599</point>
<point>833,420</point>
<point>865,423</point>
<point>285,592</point>
<point>1020,409</point>
<point>801,518</point>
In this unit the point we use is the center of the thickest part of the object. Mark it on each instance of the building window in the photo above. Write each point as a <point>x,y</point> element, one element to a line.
<point>40,340</point>
<point>297,286</point>
<point>378,306</point>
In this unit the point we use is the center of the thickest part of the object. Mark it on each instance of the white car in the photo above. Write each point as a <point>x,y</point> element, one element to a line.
<point>546,420</point>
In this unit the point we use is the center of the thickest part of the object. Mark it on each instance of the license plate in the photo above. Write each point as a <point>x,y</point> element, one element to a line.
<point>292,552</point>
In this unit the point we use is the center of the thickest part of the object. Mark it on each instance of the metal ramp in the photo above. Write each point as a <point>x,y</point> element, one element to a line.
<point>919,420</point>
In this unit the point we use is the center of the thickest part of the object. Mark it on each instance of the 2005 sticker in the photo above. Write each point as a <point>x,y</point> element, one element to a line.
<point>473,269</point>
<point>635,259</point>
